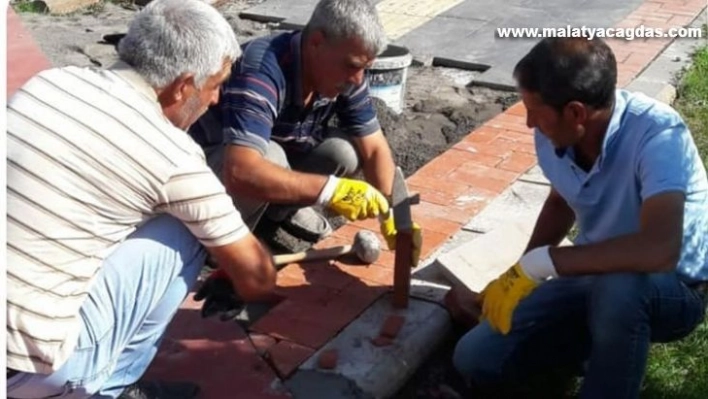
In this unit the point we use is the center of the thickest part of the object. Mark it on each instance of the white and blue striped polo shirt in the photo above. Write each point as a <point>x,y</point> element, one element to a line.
<point>262,101</point>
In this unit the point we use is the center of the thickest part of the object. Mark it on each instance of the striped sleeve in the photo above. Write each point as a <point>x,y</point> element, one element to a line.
<point>249,109</point>
<point>356,112</point>
<point>196,197</point>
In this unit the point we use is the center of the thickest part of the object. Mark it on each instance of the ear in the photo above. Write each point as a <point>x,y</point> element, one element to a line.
<point>575,112</point>
<point>316,39</point>
<point>179,90</point>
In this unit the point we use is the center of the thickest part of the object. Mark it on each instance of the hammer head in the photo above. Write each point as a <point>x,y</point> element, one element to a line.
<point>366,246</point>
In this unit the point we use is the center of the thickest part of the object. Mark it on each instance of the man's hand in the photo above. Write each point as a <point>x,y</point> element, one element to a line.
<point>502,295</point>
<point>388,230</point>
<point>219,297</point>
<point>353,199</point>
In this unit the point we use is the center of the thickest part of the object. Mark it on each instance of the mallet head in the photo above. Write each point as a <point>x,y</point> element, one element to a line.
<point>366,246</point>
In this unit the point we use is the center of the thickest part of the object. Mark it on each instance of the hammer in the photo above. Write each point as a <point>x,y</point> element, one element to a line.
<point>366,247</point>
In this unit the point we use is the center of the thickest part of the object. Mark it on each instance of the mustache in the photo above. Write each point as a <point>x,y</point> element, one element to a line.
<point>343,87</point>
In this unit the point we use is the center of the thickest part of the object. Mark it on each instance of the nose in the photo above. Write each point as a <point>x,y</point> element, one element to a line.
<point>357,78</point>
<point>530,123</point>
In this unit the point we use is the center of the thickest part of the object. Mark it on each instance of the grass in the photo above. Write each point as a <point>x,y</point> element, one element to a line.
<point>692,100</point>
<point>680,369</point>
<point>26,6</point>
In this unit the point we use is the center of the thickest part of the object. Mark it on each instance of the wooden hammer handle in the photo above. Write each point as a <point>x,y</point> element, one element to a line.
<point>314,254</point>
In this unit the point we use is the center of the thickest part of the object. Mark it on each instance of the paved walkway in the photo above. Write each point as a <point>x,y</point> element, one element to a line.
<point>320,300</point>
<point>24,58</point>
<point>463,33</point>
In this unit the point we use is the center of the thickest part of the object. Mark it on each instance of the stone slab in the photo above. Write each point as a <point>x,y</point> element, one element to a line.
<point>535,175</point>
<point>521,202</point>
<point>474,264</point>
<point>464,36</point>
<point>364,370</point>
<point>292,11</point>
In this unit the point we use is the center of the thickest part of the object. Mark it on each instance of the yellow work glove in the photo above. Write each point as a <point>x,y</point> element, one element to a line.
<point>388,230</point>
<point>502,295</point>
<point>353,199</point>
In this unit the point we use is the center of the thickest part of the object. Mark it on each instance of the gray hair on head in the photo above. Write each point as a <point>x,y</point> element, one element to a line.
<point>170,38</point>
<point>347,19</point>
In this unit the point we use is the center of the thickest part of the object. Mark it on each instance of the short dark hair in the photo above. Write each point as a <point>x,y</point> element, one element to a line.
<point>562,70</point>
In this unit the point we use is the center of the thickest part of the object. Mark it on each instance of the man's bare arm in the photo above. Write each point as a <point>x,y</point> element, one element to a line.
<point>656,247</point>
<point>377,161</point>
<point>247,172</point>
<point>249,267</point>
<point>553,223</point>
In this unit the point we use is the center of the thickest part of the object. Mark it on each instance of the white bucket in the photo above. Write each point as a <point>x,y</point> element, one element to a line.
<point>387,77</point>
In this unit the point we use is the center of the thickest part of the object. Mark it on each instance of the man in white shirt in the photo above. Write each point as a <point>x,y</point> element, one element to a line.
<point>112,209</point>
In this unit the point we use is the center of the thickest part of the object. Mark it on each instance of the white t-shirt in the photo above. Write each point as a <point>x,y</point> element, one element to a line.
<point>91,157</point>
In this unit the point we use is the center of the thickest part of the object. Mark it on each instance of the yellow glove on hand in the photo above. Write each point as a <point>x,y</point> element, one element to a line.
<point>388,230</point>
<point>353,199</point>
<point>502,295</point>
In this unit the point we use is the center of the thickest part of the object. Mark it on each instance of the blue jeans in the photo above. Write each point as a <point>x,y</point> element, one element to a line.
<point>603,322</point>
<point>132,300</point>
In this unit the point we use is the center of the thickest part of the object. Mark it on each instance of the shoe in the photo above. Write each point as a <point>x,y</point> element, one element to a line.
<point>307,224</point>
<point>160,390</point>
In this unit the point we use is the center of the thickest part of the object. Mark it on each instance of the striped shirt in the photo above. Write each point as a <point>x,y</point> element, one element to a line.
<point>263,101</point>
<point>90,157</point>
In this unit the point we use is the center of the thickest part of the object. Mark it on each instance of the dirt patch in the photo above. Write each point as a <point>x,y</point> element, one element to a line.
<point>77,38</point>
<point>441,109</point>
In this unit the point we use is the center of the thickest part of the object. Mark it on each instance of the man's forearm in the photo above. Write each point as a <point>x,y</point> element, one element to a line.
<point>377,161</point>
<point>636,253</point>
<point>263,180</point>
<point>378,170</point>
<point>553,224</point>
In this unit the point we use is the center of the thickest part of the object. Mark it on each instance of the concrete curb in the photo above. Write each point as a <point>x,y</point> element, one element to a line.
<point>369,372</point>
<point>365,370</point>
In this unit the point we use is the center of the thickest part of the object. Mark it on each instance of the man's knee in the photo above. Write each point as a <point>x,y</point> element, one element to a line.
<point>474,357</point>
<point>618,301</point>
<point>165,246</point>
<point>276,154</point>
<point>344,155</point>
<point>335,155</point>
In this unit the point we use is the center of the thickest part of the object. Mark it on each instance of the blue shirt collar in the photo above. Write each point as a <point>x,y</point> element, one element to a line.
<point>613,127</point>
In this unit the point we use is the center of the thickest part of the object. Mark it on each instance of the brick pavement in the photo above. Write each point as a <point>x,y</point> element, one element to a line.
<point>24,57</point>
<point>320,299</point>
<point>454,187</point>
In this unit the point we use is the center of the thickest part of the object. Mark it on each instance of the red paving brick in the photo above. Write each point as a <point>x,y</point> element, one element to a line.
<point>24,57</point>
<point>286,356</point>
<point>322,298</point>
<point>392,326</point>
<point>328,359</point>
<point>216,355</point>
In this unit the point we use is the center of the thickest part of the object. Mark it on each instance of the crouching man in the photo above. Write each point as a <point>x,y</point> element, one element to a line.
<point>112,209</point>
<point>625,169</point>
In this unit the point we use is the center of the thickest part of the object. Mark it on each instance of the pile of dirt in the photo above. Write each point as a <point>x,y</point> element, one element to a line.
<point>439,113</point>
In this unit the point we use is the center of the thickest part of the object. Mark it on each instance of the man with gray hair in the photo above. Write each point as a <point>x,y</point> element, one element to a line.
<point>269,138</point>
<point>112,209</point>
